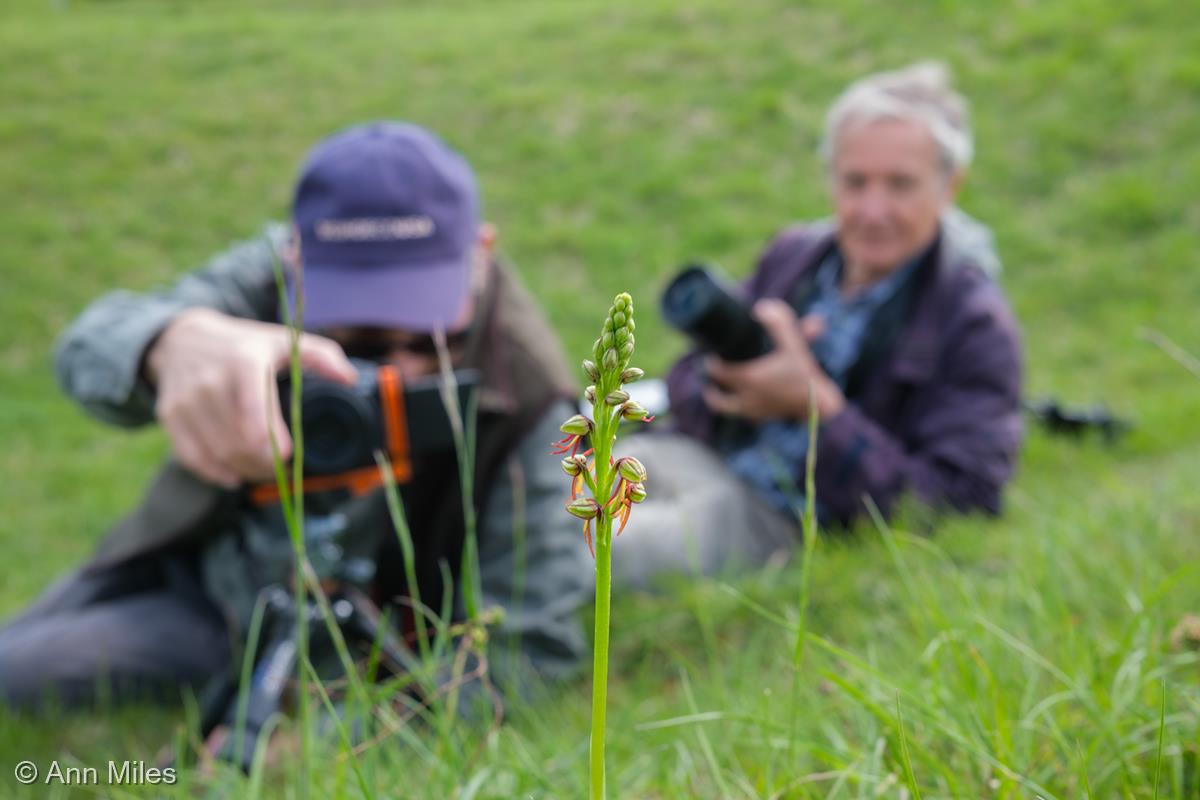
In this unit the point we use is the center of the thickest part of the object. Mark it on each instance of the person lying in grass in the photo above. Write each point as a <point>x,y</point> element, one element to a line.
<point>886,318</point>
<point>397,266</point>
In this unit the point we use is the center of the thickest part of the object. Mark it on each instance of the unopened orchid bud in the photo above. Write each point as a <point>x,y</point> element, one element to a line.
<point>637,493</point>
<point>631,469</point>
<point>623,302</point>
<point>589,367</point>
<point>584,508</point>
<point>616,397</point>
<point>627,349</point>
<point>578,425</point>
<point>574,465</point>
<point>632,374</point>
<point>590,394</point>
<point>610,360</point>
<point>618,320</point>
<point>608,340</point>
<point>632,410</point>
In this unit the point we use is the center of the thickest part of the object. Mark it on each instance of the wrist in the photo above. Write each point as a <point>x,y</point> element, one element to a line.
<point>157,351</point>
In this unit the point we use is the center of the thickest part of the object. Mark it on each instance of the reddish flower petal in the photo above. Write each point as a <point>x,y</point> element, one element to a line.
<point>569,444</point>
<point>624,517</point>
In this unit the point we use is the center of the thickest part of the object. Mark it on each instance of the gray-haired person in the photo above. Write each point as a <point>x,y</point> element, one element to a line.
<point>396,266</point>
<point>887,318</point>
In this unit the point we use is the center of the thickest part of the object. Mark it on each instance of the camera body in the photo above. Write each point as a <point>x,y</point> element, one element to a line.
<point>344,425</point>
<point>699,303</point>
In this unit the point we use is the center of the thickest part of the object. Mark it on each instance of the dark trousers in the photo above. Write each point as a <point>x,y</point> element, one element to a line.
<point>142,631</point>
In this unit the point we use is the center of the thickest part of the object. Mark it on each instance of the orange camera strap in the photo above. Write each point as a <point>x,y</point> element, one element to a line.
<point>364,479</point>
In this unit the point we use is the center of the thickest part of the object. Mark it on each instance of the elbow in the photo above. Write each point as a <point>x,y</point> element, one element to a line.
<point>69,351</point>
<point>89,388</point>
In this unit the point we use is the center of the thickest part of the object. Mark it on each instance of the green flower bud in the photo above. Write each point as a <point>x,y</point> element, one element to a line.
<point>631,469</point>
<point>618,320</point>
<point>637,493</point>
<point>479,636</point>
<point>630,326</point>
<point>632,410</point>
<point>627,350</point>
<point>574,465</point>
<point>616,397</point>
<point>593,373</point>
<point>584,508</point>
<point>590,394</point>
<point>632,374</point>
<point>623,302</point>
<point>607,340</point>
<point>610,360</point>
<point>578,425</point>
<point>622,336</point>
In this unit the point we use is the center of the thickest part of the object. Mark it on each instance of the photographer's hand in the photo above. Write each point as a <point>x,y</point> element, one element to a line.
<point>217,397</point>
<point>776,385</point>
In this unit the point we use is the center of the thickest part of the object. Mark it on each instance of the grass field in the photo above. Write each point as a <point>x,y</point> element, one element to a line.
<point>1027,656</point>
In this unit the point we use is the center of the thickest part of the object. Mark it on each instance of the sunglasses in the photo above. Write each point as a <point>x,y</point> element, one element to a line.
<point>379,345</point>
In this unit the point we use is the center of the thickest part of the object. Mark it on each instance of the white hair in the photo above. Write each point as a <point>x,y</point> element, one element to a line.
<point>918,93</point>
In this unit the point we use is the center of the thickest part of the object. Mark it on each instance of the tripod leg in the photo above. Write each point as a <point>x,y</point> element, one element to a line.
<point>274,665</point>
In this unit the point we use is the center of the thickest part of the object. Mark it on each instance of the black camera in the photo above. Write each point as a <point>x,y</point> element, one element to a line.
<point>700,303</point>
<point>344,425</point>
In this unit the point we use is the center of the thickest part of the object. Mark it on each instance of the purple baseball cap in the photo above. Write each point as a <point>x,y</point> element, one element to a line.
<point>388,216</point>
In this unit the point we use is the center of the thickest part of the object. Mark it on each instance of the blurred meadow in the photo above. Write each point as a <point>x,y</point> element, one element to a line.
<point>1031,655</point>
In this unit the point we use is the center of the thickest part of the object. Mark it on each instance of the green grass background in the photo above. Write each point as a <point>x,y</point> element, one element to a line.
<point>613,141</point>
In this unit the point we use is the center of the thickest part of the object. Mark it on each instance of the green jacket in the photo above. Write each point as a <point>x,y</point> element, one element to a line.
<point>532,562</point>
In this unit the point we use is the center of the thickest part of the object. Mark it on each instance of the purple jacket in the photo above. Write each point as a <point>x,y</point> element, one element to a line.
<point>939,413</point>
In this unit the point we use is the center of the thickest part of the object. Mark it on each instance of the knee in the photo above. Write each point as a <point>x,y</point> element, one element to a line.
<point>23,676</point>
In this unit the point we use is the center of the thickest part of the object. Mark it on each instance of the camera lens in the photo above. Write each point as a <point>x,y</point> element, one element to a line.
<point>339,428</point>
<point>688,297</point>
<point>698,304</point>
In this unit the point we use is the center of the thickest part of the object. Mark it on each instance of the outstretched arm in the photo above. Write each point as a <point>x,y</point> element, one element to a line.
<point>200,357</point>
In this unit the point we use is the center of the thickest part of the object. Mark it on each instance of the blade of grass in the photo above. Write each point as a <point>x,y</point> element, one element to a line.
<point>248,658</point>
<point>908,770</point>
<point>340,726</point>
<point>399,519</point>
<point>293,502</point>
<point>710,757</point>
<point>464,433</point>
<point>1162,725</point>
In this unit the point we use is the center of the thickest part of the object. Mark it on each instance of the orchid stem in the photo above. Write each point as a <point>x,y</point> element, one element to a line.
<point>600,662</point>
<point>604,478</point>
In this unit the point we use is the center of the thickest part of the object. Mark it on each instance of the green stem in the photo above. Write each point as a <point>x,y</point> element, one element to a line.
<point>809,530</point>
<point>603,442</point>
<point>600,662</point>
<point>293,503</point>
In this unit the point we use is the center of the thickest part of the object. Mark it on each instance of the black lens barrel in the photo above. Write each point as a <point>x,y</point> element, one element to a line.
<point>698,303</point>
<point>341,424</point>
